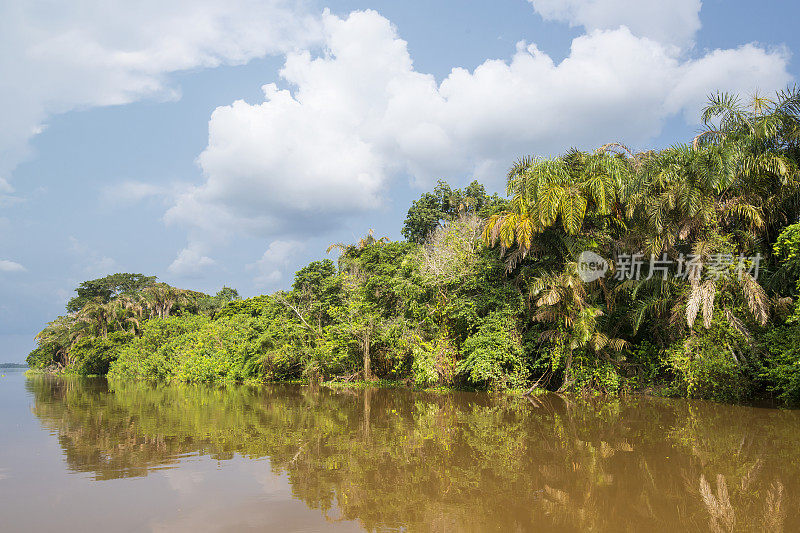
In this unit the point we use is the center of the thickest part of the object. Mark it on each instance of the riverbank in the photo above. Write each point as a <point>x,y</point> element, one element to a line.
<point>357,385</point>
<point>604,271</point>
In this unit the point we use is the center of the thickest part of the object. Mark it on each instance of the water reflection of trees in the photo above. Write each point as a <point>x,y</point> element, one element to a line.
<point>444,462</point>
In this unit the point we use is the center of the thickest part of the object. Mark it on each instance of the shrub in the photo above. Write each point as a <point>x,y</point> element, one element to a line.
<point>143,358</point>
<point>589,374</point>
<point>493,356</point>
<point>781,349</point>
<point>423,367</point>
<point>94,355</point>
<point>711,364</point>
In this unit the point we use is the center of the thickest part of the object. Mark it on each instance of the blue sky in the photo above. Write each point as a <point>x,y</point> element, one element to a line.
<point>139,139</point>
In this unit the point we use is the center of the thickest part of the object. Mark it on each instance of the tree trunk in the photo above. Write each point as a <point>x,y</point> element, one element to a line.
<point>567,373</point>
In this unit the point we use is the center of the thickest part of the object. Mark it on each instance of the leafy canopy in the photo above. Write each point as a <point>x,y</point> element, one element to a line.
<point>107,288</point>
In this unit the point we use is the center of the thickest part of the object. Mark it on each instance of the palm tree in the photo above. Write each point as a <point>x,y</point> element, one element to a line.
<point>60,335</point>
<point>579,189</point>
<point>349,250</point>
<point>564,302</point>
<point>130,309</point>
<point>159,299</point>
<point>99,315</point>
<point>739,178</point>
<point>364,242</point>
<point>676,197</point>
<point>765,136</point>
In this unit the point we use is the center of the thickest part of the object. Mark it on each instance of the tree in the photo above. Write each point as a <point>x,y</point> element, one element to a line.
<point>317,288</point>
<point>99,315</point>
<point>211,305</point>
<point>369,304</point>
<point>107,288</point>
<point>445,204</point>
<point>161,298</point>
<point>365,241</point>
<point>787,250</point>
<point>55,340</point>
<point>578,191</point>
<point>764,136</point>
<point>448,264</point>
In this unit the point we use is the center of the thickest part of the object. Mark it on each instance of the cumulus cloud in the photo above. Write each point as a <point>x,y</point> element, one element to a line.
<point>91,262</point>
<point>191,261</point>
<point>64,56</point>
<point>10,266</point>
<point>275,261</point>
<point>674,22</point>
<point>359,114</point>
<point>742,70</point>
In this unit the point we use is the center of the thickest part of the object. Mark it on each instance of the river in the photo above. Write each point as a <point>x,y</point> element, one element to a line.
<point>85,455</point>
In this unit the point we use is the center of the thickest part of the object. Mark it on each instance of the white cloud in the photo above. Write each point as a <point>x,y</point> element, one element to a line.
<point>64,56</point>
<point>275,261</point>
<point>359,115</point>
<point>191,261</point>
<point>91,262</point>
<point>131,192</point>
<point>743,70</point>
<point>10,266</point>
<point>6,190</point>
<point>674,22</point>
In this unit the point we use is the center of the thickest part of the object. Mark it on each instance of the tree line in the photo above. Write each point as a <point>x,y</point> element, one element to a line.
<point>699,245</point>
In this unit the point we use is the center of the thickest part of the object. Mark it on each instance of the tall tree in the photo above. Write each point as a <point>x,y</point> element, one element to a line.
<point>107,288</point>
<point>579,192</point>
<point>446,204</point>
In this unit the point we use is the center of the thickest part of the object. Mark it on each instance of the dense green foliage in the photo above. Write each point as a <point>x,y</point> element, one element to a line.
<point>490,293</point>
<point>107,288</point>
<point>446,204</point>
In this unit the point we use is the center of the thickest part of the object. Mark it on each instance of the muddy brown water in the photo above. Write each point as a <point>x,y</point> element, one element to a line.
<point>85,455</point>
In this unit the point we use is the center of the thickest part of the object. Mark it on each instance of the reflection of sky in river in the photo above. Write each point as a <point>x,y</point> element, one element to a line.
<point>39,493</point>
<point>75,455</point>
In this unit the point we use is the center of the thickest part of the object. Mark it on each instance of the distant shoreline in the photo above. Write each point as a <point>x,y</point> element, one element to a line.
<point>13,365</point>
